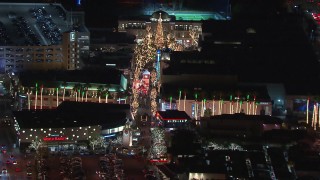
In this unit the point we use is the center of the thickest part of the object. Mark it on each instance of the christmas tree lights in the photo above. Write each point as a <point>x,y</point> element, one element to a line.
<point>158,147</point>
<point>147,53</point>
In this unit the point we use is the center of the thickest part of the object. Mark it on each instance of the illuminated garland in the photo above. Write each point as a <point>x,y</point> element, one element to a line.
<point>158,147</point>
<point>144,55</point>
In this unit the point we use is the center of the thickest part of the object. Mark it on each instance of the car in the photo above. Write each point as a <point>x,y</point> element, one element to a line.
<point>17,169</point>
<point>4,171</point>
<point>14,162</point>
<point>29,173</point>
<point>11,156</point>
<point>8,162</point>
<point>29,164</point>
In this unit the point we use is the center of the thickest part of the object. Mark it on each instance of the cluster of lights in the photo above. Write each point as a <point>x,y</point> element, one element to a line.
<point>145,54</point>
<point>194,34</point>
<point>79,93</point>
<point>158,147</point>
<point>99,141</point>
<point>177,121</point>
<point>315,121</point>
<point>117,141</point>
<point>315,116</point>
<point>231,146</point>
<point>61,132</point>
<point>316,17</point>
<point>236,105</point>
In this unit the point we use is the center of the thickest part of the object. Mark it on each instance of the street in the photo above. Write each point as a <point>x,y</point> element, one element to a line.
<point>7,139</point>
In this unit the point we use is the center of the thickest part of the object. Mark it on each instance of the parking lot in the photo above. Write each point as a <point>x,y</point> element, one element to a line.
<point>95,167</point>
<point>32,24</point>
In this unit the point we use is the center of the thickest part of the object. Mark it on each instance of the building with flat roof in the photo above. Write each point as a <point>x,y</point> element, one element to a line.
<point>172,119</point>
<point>203,84</point>
<point>180,29</point>
<point>47,89</point>
<point>240,124</point>
<point>41,36</point>
<point>70,122</point>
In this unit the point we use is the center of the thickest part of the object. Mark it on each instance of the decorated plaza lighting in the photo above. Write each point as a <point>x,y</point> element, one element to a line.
<point>36,100</point>
<point>179,100</point>
<point>218,107</point>
<point>184,101</point>
<point>98,141</point>
<point>231,146</point>
<point>29,100</point>
<point>213,108</point>
<point>158,147</point>
<point>194,34</point>
<point>248,97</point>
<point>231,104</point>
<point>57,96</point>
<point>35,144</point>
<point>147,56</point>
<point>315,116</point>
<point>64,92</point>
<point>308,100</point>
<point>41,92</point>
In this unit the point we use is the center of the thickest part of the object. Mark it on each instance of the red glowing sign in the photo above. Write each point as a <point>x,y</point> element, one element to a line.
<point>56,138</point>
<point>161,160</point>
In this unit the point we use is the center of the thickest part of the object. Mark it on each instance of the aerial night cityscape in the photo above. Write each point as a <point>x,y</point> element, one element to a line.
<point>160,89</point>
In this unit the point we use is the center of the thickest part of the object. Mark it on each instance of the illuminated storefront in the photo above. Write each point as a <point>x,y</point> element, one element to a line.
<point>70,125</point>
<point>173,118</point>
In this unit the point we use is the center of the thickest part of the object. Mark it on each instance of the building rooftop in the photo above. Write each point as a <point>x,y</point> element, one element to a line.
<point>209,88</point>
<point>107,37</point>
<point>35,23</point>
<point>195,62</point>
<point>57,78</point>
<point>264,51</point>
<point>173,115</point>
<point>240,116</point>
<point>75,114</point>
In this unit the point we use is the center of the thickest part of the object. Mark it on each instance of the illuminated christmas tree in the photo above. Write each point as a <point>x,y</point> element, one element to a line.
<point>155,82</point>
<point>158,148</point>
<point>159,41</point>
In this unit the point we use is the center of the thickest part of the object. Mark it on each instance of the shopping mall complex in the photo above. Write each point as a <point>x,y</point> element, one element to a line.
<point>70,125</point>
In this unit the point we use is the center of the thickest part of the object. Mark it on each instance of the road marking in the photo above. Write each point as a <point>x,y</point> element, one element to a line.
<point>43,39</point>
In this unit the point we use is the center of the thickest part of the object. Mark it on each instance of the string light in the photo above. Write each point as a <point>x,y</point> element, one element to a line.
<point>145,53</point>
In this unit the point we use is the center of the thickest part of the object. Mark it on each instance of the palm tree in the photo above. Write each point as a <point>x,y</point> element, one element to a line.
<point>221,97</point>
<point>238,98</point>
<point>41,91</point>
<point>107,92</point>
<point>185,93</point>
<point>64,84</point>
<point>36,98</point>
<point>86,88</point>
<point>77,89</point>
<point>57,89</point>
<point>100,90</point>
